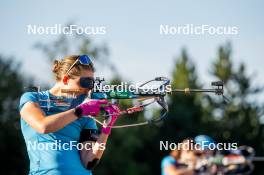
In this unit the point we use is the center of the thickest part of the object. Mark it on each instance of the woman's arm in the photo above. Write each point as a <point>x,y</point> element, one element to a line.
<point>90,158</point>
<point>35,117</point>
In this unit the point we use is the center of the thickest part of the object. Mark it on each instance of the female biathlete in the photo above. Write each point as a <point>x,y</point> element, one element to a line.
<point>53,132</point>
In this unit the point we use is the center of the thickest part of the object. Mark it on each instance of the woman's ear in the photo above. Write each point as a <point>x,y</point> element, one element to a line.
<point>65,80</point>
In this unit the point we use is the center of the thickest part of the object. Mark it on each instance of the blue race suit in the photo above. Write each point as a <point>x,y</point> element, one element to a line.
<point>57,156</point>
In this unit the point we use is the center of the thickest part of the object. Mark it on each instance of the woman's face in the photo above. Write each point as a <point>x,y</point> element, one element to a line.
<point>75,83</point>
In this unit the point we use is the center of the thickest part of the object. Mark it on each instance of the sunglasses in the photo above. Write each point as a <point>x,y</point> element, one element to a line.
<point>83,59</point>
<point>87,82</point>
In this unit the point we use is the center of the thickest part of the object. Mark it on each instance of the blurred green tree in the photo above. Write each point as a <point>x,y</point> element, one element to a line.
<point>241,111</point>
<point>185,110</point>
<point>239,120</point>
<point>13,158</point>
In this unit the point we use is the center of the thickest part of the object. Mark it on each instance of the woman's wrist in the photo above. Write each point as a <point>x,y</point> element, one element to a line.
<point>78,112</point>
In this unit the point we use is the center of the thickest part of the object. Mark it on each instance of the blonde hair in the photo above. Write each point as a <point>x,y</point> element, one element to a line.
<point>60,67</point>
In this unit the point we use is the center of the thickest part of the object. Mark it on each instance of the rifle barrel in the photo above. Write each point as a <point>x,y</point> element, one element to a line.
<point>187,90</point>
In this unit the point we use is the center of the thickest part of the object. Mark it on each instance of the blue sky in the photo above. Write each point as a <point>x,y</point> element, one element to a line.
<point>136,47</point>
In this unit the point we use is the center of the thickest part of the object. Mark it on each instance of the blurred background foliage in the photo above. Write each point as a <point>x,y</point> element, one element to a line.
<point>135,150</point>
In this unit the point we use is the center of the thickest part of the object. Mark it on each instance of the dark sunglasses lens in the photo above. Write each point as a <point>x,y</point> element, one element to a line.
<point>87,82</point>
<point>84,59</point>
